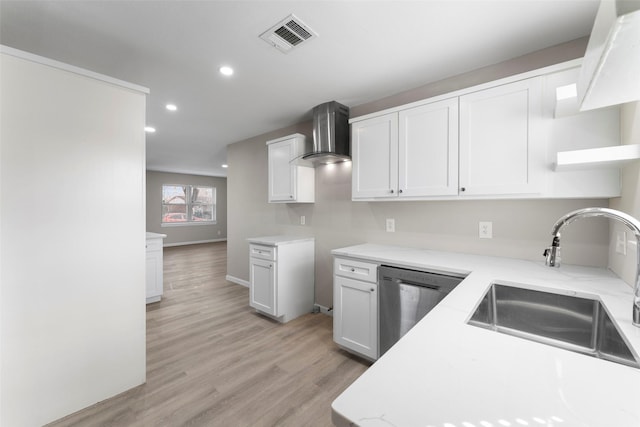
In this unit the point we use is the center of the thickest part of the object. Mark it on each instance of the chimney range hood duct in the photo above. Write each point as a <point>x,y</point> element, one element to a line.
<point>330,134</point>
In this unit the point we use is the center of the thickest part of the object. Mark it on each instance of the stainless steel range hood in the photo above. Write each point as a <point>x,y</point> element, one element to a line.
<point>330,134</point>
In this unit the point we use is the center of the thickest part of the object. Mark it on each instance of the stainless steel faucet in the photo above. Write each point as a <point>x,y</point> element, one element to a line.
<point>552,253</point>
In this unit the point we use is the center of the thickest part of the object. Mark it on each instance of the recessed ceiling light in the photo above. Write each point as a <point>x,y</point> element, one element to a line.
<point>225,166</point>
<point>226,70</point>
<point>171,107</point>
<point>149,129</point>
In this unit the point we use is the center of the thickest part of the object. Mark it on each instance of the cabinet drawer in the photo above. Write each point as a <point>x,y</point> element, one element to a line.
<point>154,244</point>
<point>356,269</point>
<point>262,252</point>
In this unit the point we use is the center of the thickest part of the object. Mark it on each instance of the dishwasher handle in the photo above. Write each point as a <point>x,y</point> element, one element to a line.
<point>421,285</point>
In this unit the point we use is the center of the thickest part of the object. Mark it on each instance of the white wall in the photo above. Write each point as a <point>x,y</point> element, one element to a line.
<point>186,234</point>
<point>521,228</point>
<point>625,266</point>
<point>72,237</point>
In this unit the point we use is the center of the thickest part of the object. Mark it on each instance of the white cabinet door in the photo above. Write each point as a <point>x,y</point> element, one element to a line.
<point>154,276</point>
<point>374,152</point>
<point>428,150</point>
<point>500,152</point>
<point>282,175</point>
<point>154,273</point>
<point>355,316</point>
<point>262,290</point>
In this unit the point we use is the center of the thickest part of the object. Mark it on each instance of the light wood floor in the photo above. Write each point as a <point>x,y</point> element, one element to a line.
<point>212,361</point>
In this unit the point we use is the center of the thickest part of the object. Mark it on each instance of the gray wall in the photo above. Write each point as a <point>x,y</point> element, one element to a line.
<point>186,234</point>
<point>521,228</point>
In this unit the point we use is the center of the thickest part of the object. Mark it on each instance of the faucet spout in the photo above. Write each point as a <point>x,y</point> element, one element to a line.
<point>552,253</point>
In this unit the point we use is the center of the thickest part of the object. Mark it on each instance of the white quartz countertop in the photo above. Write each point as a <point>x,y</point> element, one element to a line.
<point>446,373</point>
<point>151,235</point>
<point>278,240</point>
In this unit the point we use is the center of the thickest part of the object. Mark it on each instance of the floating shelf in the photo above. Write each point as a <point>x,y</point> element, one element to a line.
<point>593,158</point>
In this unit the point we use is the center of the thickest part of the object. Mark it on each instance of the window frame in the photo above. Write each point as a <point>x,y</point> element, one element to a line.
<point>189,204</point>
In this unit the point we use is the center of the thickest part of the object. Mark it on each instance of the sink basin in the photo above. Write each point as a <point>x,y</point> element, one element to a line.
<point>573,323</point>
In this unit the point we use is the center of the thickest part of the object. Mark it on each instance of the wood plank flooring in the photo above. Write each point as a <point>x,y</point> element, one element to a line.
<point>213,361</point>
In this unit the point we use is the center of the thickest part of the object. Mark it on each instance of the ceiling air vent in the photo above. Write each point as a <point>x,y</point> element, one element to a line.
<point>288,33</point>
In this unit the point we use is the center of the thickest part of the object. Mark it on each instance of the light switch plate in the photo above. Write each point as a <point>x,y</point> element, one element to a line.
<point>391,225</point>
<point>303,220</point>
<point>485,230</point>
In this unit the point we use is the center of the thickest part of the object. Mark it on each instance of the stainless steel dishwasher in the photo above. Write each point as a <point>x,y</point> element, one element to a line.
<point>405,297</point>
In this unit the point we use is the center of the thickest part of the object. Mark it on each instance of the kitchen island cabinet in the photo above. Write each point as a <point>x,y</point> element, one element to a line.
<point>154,267</point>
<point>281,276</point>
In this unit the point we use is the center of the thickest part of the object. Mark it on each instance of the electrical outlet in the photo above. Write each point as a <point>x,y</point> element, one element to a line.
<point>303,220</point>
<point>391,225</point>
<point>485,230</point>
<point>621,242</point>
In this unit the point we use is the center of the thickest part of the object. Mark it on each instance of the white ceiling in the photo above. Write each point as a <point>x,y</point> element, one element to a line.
<point>366,50</point>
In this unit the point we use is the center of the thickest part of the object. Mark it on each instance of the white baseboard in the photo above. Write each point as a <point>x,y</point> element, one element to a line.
<point>324,310</point>
<point>238,281</point>
<point>167,245</point>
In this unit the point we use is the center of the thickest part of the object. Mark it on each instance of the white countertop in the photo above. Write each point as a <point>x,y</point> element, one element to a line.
<point>278,240</point>
<point>151,235</point>
<point>445,373</point>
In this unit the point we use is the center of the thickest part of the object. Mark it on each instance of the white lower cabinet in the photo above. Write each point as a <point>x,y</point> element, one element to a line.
<point>281,282</point>
<point>154,274</point>
<point>262,292</point>
<point>355,307</point>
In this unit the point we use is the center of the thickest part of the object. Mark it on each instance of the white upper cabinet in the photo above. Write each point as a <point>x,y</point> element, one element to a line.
<point>374,152</point>
<point>500,150</point>
<point>493,141</point>
<point>428,150</point>
<point>289,182</point>
<point>413,153</point>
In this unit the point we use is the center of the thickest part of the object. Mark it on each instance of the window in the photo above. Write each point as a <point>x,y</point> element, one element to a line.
<point>188,204</point>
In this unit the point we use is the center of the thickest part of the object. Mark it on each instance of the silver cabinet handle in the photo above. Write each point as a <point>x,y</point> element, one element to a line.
<point>399,191</point>
<point>391,191</point>
<point>353,270</point>
<point>463,189</point>
<point>373,290</point>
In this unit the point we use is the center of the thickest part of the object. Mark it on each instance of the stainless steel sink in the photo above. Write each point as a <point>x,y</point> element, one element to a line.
<point>573,323</point>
